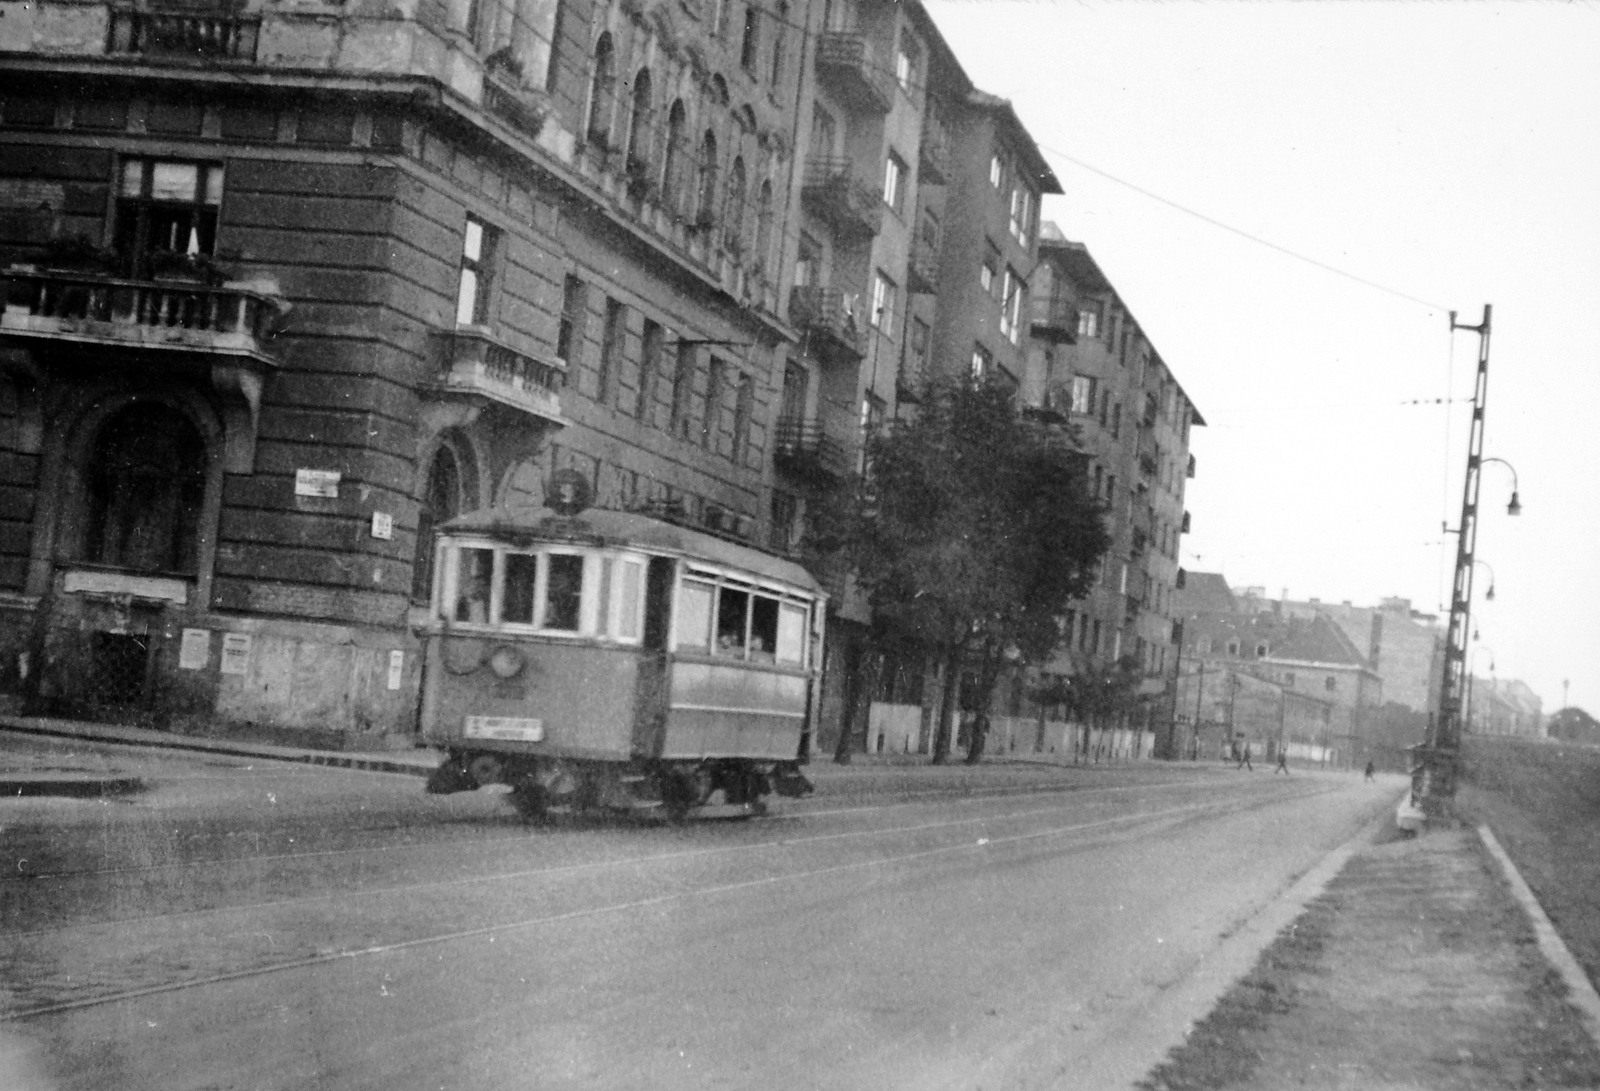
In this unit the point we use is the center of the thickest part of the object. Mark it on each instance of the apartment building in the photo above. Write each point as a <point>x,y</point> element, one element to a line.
<point>287,287</point>
<point>1091,366</point>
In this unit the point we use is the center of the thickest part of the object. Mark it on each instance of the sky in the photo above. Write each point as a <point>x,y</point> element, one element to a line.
<point>1438,157</point>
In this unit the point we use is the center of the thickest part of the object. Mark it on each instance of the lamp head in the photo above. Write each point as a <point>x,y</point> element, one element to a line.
<point>1515,507</point>
<point>1489,594</point>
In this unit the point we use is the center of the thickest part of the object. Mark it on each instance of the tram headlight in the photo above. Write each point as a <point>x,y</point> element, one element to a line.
<point>506,661</point>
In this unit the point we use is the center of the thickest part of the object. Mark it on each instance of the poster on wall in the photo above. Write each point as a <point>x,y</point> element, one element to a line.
<point>397,663</point>
<point>195,651</point>
<point>236,653</point>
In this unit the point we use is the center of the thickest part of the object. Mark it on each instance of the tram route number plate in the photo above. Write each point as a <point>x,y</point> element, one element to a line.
<point>504,728</point>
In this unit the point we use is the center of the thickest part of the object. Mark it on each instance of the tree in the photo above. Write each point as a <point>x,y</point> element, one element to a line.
<point>1574,724</point>
<point>971,532</point>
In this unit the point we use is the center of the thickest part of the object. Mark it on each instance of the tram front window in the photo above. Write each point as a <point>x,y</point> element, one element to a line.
<point>563,592</point>
<point>472,585</point>
<point>516,602</point>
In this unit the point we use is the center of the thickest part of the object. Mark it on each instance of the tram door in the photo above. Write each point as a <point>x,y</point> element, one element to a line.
<point>652,688</point>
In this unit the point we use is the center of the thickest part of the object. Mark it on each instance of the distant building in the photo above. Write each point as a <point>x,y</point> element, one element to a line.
<point>1404,645</point>
<point>1504,707</point>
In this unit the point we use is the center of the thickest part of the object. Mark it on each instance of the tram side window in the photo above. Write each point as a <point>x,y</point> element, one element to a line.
<point>731,606</point>
<point>474,567</point>
<point>563,597</point>
<point>516,598</point>
<point>763,628</point>
<point>694,616</point>
<point>791,647</point>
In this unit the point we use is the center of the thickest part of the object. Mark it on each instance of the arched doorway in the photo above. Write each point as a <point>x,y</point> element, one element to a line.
<point>146,486</point>
<point>441,501</point>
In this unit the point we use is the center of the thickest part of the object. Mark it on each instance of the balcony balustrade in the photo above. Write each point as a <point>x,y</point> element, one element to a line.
<point>524,108</point>
<point>828,319</point>
<point>478,366</point>
<point>188,316</point>
<point>922,271</point>
<point>806,449</point>
<point>184,34</point>
<point>1055,318</point>
<point>848,62</point>
<point>833,192</point>
<point>934,151</point>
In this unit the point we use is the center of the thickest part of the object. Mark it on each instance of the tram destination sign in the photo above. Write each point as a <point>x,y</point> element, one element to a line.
<point>504,728</point>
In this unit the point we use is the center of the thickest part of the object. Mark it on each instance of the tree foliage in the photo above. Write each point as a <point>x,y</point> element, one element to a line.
<point>971,533</point>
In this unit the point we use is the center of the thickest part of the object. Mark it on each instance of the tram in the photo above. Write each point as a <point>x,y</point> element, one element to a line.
<point>607,660</point>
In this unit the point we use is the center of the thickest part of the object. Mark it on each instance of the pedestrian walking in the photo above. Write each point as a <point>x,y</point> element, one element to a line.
<point>1371,768</point>
<point>1283,763</point>
<point>1244,759</point>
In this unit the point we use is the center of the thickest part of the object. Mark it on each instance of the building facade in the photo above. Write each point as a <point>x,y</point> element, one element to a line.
<point>286,289</point>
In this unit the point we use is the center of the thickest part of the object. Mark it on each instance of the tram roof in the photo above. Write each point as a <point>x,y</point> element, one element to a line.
<point>625,528</point>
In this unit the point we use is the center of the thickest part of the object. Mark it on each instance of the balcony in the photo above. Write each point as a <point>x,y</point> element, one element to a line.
<point>933,154</point>
<point>1190,471</point>
<point>476,366</point>
<point>847,62</point>
<point>231,319</point>
<point>1055,318</point>
<point>192,34</point>
<point>922,271</point>
<point>521,107</point>
<point>832,191</point>
<point>805,449</point>
<point>827,318</point>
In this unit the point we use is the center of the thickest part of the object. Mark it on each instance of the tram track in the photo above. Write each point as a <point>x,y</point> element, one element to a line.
<point>951,843</point>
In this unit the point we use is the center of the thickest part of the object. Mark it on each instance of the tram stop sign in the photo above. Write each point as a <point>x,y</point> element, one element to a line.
<point>568,492</point>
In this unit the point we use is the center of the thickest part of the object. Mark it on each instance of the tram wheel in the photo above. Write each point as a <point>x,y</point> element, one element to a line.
<point>531,802</point>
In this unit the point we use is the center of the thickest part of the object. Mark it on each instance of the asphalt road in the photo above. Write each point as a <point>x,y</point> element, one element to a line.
<point>255,926</point>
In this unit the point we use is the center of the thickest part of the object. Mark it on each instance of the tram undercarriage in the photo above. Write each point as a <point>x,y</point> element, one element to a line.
<point>715,788</point>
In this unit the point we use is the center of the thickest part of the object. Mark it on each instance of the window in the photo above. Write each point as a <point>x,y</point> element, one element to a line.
<point>750,43</point>
<point>711,426</point>
<point>1082,394</point>
<point>472,294</point>
<point>649,370</point>
<point>1105,406</point>
<point>744,406</point>
<point>682,384</point>
<point>1011,307</point>
<point>1111,489</point>
<point>1330,683</point>
<point>733,212</point>
<point>695,600</point>
<point>906,60</point>
<point>1261,651</point>
<point>776,74</point>
<point>823,132</point>
<point>640,118</point>
<point>1233,647</point>
<point>894,180</point>
<point>602,93</point>
<point>673,159</point>
<point>919,338</point>
<point>473,578</point>
<point>168,209</point>
<point>611,335</point>
<point>570,329</point>
<point>785,509</point>
<point>1088,322</point>
<point>705,213</point>
<point>883,304</point>
<point>146,484</point>
<point>1094,642</point>
<point>996,170</point>
<point>764,228</point>
<point>1021,215</point>
<point>563,595</point>
<point>1116,421</point>
<point>986,274</point>
<point>982,362</point>
<point>808,263</point>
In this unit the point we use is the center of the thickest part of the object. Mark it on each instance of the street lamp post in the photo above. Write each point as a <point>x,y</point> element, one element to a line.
<point>1433,779</point>
<point>1471,677</point>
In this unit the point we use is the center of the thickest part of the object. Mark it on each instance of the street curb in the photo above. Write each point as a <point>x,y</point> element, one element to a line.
<point>69,785</point>
<point>66,729</point>
<point>1581,991</point>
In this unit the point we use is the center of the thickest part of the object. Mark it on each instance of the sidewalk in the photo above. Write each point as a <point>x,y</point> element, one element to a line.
<point>1419,966</point>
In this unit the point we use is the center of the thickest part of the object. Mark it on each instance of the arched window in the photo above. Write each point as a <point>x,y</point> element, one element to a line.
<point>602,93</point>
<point>733,214</point>
<point>146,484</point>
<point>673,162</point>
<point>706,206</point>
<point>764,227</point>
<point>639,128</point>
<point>779,23</point>
<point>441,501</point>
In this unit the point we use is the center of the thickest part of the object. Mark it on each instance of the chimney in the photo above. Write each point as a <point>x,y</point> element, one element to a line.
<point>1377,638</point>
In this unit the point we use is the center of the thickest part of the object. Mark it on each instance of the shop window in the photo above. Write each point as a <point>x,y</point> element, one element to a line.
<point>146,484</point>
